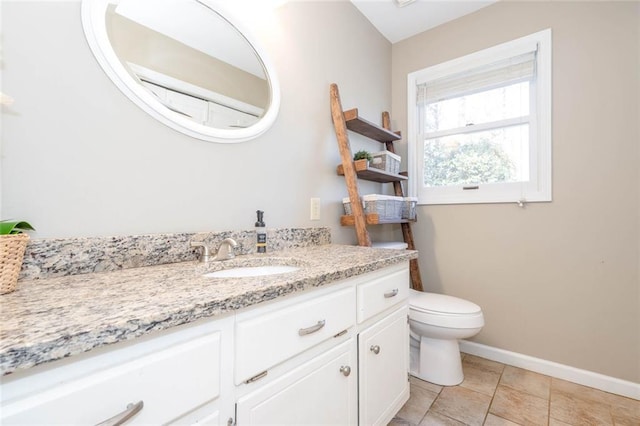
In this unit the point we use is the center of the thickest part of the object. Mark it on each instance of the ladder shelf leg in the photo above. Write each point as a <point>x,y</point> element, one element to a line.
<point>350,176</point>
<point>407,234</point>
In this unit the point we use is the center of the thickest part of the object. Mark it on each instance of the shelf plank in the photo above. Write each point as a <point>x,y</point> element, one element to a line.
<point>371,219</point>
<point>367,128</point>
<point>372,174</point>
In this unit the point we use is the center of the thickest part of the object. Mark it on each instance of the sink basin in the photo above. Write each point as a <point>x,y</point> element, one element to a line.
<point>252,271</point>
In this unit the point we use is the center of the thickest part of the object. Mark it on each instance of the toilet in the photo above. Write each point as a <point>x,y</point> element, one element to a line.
<point>437,322</point>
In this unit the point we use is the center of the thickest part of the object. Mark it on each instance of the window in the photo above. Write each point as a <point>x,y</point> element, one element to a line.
<point>480,126</point>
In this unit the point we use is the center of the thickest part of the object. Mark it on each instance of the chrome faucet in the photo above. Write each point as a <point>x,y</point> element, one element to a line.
<point>225,251</point>
<point>206,253</point>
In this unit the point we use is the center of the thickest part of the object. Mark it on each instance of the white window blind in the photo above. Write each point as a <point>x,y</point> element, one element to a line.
<point>501,73</point>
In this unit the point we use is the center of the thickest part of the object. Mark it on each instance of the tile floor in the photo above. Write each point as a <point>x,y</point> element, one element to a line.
<point>495,394</point>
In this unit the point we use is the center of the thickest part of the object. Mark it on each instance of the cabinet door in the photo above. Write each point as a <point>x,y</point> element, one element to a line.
<point>383,355</point>
<point>321,391</point>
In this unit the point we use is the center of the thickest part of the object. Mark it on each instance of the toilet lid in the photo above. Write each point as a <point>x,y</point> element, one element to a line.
<point>434,302</point>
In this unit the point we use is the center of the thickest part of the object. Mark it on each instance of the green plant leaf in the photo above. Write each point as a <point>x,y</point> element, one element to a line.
<point>14,227</point>
<point>362,155</point>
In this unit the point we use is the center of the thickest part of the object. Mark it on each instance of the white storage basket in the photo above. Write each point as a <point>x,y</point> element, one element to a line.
<point>387,207</point>
<point>409,208</point>
<point>387,161</point>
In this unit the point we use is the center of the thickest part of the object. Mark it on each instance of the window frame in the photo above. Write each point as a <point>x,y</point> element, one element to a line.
<point>538,188</point>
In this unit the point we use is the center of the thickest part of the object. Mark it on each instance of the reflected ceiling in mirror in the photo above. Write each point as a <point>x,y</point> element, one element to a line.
<point>188,63</point>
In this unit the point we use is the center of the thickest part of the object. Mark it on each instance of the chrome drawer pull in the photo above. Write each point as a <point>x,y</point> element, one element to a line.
<point>392,293</point>
<point>345,370</point>
<point>312,329</point>
<point>257,377</point>
<point>120,419</point>
<point>375,349</point>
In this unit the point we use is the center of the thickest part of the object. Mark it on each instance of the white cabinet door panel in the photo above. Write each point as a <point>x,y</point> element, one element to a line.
<point>317,393</point>
<point>383,355</point>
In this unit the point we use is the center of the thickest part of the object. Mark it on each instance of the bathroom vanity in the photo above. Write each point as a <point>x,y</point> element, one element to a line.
<point>327,344</point>
<point>339,353</point>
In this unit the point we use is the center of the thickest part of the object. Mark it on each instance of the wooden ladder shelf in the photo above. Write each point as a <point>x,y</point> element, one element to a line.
<point>354,170</point>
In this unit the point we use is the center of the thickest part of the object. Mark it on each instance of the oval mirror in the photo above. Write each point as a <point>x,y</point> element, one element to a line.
<point>188,63</point>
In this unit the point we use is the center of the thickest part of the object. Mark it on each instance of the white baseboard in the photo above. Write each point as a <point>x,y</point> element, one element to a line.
<point>553,369</point>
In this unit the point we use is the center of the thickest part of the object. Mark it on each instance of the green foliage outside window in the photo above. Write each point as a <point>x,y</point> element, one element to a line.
<point>462,164</point>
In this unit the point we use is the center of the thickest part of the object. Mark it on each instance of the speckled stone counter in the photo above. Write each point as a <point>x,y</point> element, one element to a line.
<point>57,257</point>
<point>52,318</point>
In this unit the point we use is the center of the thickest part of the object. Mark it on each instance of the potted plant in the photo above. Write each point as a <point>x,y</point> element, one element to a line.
<point>361,159</point>
<point>13,243</point>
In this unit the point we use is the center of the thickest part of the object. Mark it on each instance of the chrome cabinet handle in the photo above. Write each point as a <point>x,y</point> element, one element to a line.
<point>345,370</point>
<point>391,293</point>
<point>375,349</point>
<point>312,329</point>
<point>121,418</point>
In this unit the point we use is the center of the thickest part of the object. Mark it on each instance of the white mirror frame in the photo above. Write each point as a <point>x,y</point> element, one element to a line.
<point>93,22</point>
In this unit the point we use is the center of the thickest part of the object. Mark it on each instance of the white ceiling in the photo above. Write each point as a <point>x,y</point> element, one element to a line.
<point>397,23</point>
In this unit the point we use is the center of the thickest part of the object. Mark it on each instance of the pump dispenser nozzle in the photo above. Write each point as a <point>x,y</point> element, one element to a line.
<point>260,214</point>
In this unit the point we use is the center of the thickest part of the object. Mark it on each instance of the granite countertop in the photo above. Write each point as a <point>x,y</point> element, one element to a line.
<point>53,318</point>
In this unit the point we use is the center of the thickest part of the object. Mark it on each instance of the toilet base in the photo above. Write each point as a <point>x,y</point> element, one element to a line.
<point>437,361</point>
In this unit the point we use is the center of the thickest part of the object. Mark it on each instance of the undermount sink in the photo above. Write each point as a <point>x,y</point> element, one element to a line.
<point>252,271</point>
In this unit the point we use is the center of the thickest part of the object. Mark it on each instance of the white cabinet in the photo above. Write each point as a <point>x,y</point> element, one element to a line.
<point>337,355</point>
<point>202,110</point>
<point>296,360</point>
<point>171,374</point>
<point>383,344</point>
<point>322,391</point>
<point>223,117</point>
<point>305,378</point>
<point>383,369</point>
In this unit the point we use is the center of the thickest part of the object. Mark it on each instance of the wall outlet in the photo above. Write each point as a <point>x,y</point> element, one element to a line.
<point>315,209</point>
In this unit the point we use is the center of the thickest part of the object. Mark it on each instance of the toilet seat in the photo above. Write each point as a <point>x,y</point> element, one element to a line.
<point>434,302</point>
<point>444,311</point>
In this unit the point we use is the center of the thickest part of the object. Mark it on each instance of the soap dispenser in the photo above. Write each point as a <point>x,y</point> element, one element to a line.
<point>261,234</point>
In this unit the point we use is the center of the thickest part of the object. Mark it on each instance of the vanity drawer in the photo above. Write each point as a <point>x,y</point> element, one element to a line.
<point>380,293</point>
<point>268,336</point>
<point>170,382</point>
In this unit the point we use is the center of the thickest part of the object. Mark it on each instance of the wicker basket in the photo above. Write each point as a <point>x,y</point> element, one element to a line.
<point>12,248</point>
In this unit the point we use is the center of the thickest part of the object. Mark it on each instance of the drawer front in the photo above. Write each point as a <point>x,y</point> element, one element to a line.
<point>278,334</point>
<point>383,292</point>
<point>169,382</point>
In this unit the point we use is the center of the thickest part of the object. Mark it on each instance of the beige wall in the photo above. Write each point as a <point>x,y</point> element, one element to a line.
<point>80,159</point>
<point>558,280</point>
<point>140,45</point>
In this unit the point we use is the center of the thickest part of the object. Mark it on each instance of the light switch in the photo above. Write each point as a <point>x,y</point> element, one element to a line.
<point>315,209</point>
